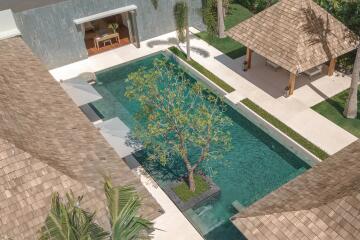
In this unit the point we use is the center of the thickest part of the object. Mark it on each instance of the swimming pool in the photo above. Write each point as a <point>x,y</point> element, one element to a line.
<point>256,165</point>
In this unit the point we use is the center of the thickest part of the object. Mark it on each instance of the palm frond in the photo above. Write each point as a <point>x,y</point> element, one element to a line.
<point>67,221</point>
<point>123,206</point>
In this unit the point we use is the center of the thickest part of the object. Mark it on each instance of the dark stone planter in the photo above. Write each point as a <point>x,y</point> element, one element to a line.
<point>213,192</point>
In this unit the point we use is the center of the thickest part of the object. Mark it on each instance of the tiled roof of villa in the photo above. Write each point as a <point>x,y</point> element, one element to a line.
<point>323,203</point>
<point>47,145</point>
<point>295,34</point>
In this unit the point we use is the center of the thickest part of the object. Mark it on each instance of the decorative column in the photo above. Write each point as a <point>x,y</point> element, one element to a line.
<point>129,25</point>
<point>292,81</point>
<point>332,65</point>
<point>135,32</point>
<point>248,58</point>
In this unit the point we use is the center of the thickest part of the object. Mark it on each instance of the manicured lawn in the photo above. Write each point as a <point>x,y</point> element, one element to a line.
<point>184,193</point>
<point>333,108</point>
<point>285,129</point>
<point>228,46</point>
<point>227,88</point>
<point>237,14</point>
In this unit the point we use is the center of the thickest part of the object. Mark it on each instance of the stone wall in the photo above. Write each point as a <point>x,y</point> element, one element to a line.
<point>54,38</point>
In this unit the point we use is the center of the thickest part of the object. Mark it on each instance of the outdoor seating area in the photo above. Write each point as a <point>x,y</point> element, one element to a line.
<point>319,39</point>
<point>105,34</point>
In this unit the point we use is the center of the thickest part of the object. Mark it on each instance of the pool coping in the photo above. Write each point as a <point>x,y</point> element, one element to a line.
<point>252,116</point>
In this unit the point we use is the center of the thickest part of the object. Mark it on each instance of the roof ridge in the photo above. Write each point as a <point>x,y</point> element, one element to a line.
<point>278,34</point>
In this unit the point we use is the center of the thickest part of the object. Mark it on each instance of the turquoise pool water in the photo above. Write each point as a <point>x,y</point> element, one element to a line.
<point>255,166</point>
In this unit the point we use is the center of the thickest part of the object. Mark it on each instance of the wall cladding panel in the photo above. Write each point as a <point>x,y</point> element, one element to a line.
<point>54,38</point>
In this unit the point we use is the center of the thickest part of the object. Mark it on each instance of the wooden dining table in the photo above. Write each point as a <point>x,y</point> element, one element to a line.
<point>104,36</point>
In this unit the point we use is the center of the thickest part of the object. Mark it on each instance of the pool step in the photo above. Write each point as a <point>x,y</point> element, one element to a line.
<point>238,206</point>
<point>204,220</point>
<point>297,173</point>
<point>196,221</point>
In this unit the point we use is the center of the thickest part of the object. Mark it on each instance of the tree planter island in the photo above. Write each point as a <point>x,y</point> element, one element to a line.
<point>184,199</point>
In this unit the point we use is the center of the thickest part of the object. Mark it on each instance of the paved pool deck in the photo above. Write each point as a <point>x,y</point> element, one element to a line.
<point>262,84</point>
<point>172,224</point>
<point>265,86</point>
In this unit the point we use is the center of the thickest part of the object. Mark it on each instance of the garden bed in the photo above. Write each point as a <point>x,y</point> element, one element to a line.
<point>212,77</point>
<point>285,129</point>
<point>184,199</point>
<point>228,46</point>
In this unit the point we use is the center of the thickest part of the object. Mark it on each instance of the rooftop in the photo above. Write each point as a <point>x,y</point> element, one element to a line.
<point>295,34</point>
<point>324,202</point>
<point>47,145</point>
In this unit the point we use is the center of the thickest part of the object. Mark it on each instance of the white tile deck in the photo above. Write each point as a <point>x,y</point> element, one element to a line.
<point>261,84</point>
<point>172,225</point>
<point>114,57</point>
<point>264,86</point>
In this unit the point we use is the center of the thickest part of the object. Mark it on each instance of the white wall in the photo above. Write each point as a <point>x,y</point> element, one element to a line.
<point>8,26</point>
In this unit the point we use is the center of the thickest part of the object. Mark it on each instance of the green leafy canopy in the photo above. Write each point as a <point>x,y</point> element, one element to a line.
<point>68,221</point>
<point>178,118</point>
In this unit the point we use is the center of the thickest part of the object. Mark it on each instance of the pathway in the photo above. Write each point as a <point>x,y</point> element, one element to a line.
<point>264,86</point>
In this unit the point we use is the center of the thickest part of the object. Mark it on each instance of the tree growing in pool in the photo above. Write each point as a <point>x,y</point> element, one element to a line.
<point>179,119</point>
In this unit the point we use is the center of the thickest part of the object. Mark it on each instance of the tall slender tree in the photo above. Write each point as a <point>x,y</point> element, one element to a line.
<point>220,19</point>
<point>351,107</point>
<point>181,14</point>
<point>346,9</point>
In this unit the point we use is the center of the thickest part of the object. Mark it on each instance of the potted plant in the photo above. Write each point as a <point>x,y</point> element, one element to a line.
<point>113,26</point>
<point>245,63</point>
<point>287,91</point>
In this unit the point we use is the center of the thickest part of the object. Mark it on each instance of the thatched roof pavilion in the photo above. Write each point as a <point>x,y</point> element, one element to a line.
<point>297,35</point>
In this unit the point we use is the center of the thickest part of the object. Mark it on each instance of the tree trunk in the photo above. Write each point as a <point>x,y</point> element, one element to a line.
<point>350,110</point>
<point>188,43</point>
<point>220,13</point>
<point>191,180</point>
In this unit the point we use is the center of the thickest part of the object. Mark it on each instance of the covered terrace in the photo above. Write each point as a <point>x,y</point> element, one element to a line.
<point>297,36</point>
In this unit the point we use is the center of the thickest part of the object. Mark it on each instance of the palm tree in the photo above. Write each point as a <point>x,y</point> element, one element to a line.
<point>68,221</point>
<point>350,110</point>
<point>320,30</point>
<point>181,14</point>
<point>123,205</point>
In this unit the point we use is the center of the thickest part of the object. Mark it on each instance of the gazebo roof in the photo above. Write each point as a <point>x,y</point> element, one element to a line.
<point>295,34</point>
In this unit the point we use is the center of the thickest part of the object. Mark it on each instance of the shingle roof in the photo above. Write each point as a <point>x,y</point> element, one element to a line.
<point>323,203</point>
<point>287,33</point>
<point>46,145</point>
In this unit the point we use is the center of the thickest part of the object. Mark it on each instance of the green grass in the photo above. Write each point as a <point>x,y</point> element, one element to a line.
<point>184,193</point>
<point>227,88</point>
<point>285,129</point>
<point>333,108</point>
<point>228,46</point>
<point>236,14</point>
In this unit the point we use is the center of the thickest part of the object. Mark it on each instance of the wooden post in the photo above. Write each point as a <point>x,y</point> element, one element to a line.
<point>332,65</point>
<point>292,80</point>
<point>248,58</point>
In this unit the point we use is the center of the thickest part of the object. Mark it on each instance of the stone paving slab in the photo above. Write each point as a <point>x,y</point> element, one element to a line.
<point>263,85</point>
